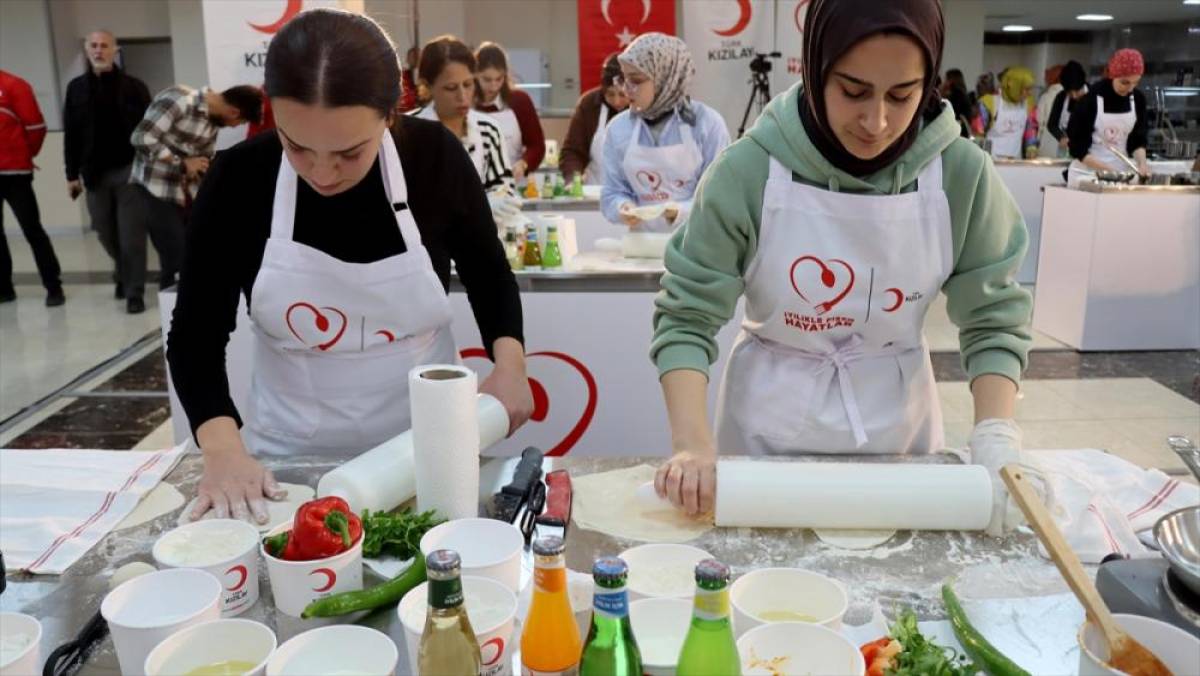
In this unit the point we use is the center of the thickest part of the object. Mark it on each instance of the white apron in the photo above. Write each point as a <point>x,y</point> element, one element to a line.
<point>1112,129</point>
<point>663,173</point>
<point>334,341</point>
<point>594,174</point>
<point>831,357</point>
<point>506,119</point>
<point>1008,129</point>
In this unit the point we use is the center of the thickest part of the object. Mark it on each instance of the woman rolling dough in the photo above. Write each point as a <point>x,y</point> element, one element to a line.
<point>838,218</point>
<point>655,152</point>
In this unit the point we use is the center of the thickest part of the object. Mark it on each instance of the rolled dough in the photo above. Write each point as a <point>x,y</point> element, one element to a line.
<point>162,499</point>
<point>854,539</point>
<point>607,502</point>
<point>277,512</point>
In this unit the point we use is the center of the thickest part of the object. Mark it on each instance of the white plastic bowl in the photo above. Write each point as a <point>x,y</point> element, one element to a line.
<point>1177,649</point>
<point>27,629</point>
<point>787,589</point>
<point>487,547</point>
<point>660,625</point>
<point>662,570</point>
<point>237,572</point>
<point>295,584</point>
<point>492,609</point>
<point>336,649</point>
<point>147,609</point>
<point>800,648</point>
<point>212,643</point>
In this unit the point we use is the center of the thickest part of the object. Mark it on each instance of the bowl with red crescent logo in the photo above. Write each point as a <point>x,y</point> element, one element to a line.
<point>225,548</point>
<point>492,608</point>
<point>295,584</point>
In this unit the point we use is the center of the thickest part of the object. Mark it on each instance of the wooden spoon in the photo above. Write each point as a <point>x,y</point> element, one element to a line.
<point>1125,653</point>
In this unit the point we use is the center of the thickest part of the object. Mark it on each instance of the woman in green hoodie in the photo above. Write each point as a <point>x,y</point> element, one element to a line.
<point>839,217</point>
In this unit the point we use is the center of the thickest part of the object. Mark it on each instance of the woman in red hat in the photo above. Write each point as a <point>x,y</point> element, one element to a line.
<point>1111,120</point>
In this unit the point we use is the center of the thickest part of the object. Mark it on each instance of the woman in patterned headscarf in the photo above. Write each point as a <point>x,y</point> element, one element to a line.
<point>655,152</point>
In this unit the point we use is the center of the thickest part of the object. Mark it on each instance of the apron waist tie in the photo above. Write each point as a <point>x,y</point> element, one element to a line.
<point>839,358</point>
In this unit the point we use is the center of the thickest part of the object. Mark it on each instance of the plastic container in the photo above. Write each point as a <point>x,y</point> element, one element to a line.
<point>798,648</point>
<point>149,608</point>
<point>492,609</point>
<point>488,548</point>
<point>785,591</point>
<point>662,570</point>
<point>213,643</point>
<point>237,573</point>
<point>25,632</point>
<point>660,625</point>
<point>1177,649</point>
<point>336,649</point>
<point>295,584</point>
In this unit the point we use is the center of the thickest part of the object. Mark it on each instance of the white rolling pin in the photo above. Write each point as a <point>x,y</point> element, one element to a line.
<point>384,477</point>
<point>852,495</point>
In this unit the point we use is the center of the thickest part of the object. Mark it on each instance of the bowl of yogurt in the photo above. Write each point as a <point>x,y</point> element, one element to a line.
<point>225,548</point>
<point>20,644</point>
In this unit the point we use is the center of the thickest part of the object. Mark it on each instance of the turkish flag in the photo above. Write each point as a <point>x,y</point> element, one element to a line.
<point>608,26</point>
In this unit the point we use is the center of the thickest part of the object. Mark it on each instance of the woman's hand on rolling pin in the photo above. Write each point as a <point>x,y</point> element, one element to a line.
<point>509,383</point>
<point>689,480</point>
<point>627,216</point>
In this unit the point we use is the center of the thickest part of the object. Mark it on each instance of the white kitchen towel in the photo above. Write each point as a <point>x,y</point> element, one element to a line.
<point>57,504</point>
<point>1101,502</point>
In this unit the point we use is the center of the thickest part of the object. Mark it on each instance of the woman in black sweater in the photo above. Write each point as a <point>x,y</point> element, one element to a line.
<point>340,233</point>
<point>1111,119</point>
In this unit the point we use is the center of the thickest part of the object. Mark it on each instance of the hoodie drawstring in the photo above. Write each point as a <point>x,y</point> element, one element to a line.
<point>897,176</point>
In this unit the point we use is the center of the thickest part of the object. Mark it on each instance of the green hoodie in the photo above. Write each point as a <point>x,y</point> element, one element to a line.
<point>708,257</point>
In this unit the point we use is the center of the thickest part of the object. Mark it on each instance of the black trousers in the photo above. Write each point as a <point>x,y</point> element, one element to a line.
<point>163,221</point>
<point>17,191</point>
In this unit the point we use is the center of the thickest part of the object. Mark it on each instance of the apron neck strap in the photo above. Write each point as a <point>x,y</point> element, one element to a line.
<point>929,179</point>
<point>283,213</point>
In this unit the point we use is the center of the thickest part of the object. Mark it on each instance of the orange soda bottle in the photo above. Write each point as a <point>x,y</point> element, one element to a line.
<point>550,643</point>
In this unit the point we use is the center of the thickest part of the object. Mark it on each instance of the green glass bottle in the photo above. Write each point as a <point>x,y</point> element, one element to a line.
<point>710,649</point>
<point>548,188</point>
<point>533,253</point>
<point>560,188</point>
<point>611,649</point>
<point>552,256</point>
<point>448,644</point>
<point>577,185</point>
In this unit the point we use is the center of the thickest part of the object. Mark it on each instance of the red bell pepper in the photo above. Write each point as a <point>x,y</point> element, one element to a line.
<point>880,655</point>
<point>322,528</point>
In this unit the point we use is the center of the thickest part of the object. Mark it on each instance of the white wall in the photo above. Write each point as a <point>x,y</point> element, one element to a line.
<point>27,49</point>
<point>964,38</point>
<point>186,21</point>
<point>1037,58</point>
<point>72,20</point>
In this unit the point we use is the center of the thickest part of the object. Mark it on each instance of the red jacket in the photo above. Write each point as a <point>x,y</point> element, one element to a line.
<point>22,128</point>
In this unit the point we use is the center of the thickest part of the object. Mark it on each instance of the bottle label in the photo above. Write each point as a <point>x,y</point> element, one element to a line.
<point>611,602</point>
<point>711,605</point>
<point>445,593</point>
<point>551,580</point>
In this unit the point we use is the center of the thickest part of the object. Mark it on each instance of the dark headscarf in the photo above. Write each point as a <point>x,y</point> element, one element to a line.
<point>1073,76</point>
<point>830,30</point>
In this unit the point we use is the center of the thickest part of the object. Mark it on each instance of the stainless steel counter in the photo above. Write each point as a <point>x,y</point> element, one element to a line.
<point>563,281</point>
<point>1037,162</point>
<point>908,570</point>
<point>562,204</point>
<point>1105,188</point>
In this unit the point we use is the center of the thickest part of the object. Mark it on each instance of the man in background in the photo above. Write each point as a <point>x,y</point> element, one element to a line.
<point>103,107</point>
<point>173,145</point>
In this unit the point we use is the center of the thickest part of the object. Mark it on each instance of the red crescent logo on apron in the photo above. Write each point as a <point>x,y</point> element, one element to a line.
<point>899,295</point>
<point>541,400</point>
<point>330,579</point>
<point>320,322</point>
<point>242,574</point>
<point>828,280</point>
<point>498,645</point>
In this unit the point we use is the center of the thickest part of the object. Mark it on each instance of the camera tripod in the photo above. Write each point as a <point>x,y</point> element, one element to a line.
<point>760,87</point>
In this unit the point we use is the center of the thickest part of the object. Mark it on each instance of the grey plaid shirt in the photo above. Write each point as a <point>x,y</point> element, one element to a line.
<point>176,126</point>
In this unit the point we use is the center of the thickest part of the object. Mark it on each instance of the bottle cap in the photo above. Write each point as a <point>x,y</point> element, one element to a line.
<point>712,571</point>
<point>610,569</point>
<point>549,545</point>
<point>443,561</point>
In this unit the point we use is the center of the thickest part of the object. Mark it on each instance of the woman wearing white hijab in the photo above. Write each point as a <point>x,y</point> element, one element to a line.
<point>655,152</point>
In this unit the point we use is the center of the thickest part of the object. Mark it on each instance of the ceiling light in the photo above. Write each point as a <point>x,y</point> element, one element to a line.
<point>1096,17</point>
<point>1191,2</point>
<point>1017,28</point>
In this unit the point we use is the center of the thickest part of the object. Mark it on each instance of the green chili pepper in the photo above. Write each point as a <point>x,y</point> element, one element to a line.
<point>387,593</point>
<point>984,654</point>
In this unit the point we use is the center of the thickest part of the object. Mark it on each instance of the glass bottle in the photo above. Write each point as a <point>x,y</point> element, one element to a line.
<point>550,642</point>
<point>448,645</point>
<point>552,256</point>
<point>512,250</point>
<point>611,649</point>
<point>548,187</point>
<point>710,649</point>
<point>533,253</point>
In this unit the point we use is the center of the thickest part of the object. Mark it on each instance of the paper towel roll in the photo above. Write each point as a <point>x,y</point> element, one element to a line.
<point>445,429</point>
<point>384,477</point>
<point>848,495</point>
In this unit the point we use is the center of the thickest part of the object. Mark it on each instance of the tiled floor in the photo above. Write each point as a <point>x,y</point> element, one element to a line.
<point>1126,403</point>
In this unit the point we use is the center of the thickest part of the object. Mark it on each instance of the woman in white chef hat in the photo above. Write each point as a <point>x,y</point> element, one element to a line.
<point>838,219</point>
<point>655,152</point>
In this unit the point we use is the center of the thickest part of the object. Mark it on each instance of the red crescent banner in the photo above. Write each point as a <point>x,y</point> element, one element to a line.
<point>608,26</point>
